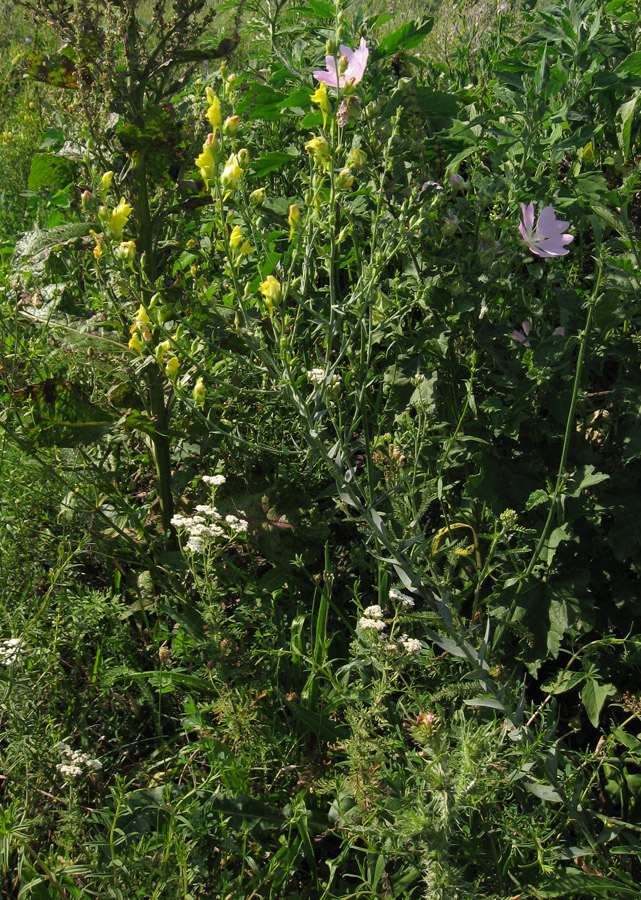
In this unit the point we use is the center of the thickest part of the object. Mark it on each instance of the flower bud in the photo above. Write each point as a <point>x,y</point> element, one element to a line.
<point>457,183</point>
<point>85,198</point>
<point>126,253</point>
<point>199,392</point>
<point>243,158</point>
<point>356,159</point>
<point>231,124</point>
<point>171,369</point>
<point>345,179</point>
<point>105,183</point>
<point>293,220</point>
<point>256,197</point>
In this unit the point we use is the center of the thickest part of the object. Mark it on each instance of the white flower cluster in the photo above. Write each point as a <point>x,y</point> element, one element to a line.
<point>74,762</point>
<point>207,523</point>
<point>404,644</point>
<point>10,651</point>
<point>214,480</point>
<point>317,376</point>
<point>372,619</point>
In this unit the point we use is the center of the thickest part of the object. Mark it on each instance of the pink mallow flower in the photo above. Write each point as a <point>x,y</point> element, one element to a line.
<point>547,238</point>
<point>336,75</point>
<point>522,336</point>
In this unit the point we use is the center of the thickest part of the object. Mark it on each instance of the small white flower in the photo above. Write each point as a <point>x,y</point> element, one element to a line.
<point>411,645</point>
<point>407,601</point>
<point>373,612</point>
<point>394,594</point>
<point>69,771</point>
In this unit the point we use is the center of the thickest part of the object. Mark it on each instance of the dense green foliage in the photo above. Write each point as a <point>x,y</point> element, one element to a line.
<point>319,534</point>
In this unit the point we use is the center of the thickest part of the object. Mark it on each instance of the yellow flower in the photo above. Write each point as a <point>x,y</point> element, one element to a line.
<point>119,218</point>
<point>272,291</point>
<point>105,183</point>
<point>199,392</point>
<point>230,175</point>
<point>207,160</point>
<point>171,369</point>
<point>213,111</point>
<point>293,219</point>
<point>97,250</point>
<point>135,343</point>
<point>142,319</point>
<point>320,98</point>
<point>238,243</point>
<point>319,149</point>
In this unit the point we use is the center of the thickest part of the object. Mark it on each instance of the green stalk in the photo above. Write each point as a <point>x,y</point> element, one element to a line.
<point>561,474</point>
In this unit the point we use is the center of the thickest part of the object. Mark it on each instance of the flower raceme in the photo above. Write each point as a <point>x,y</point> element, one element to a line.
<point>547,237</point>
<point>348,70</point>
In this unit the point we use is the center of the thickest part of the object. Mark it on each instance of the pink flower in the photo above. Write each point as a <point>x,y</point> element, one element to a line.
<point>547,238</point>
<point>522,336</point>
<point>336,76</point>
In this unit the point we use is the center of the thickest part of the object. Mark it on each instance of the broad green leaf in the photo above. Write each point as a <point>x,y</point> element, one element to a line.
<point>632,63</point>
<point>593,696</point>
<point>271,162</point>
<point>543,791</point>
<point>50,171</point>
<point>625,114</point>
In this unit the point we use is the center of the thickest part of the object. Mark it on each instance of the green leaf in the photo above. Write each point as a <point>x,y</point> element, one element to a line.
<point>632,63</point>
<point>543,791</point>
<point>575,884</point>
<point>625,114</point>
<point>321,10</point>
<point>593,696</point>
<point>436,103</point>
<point>271,162</point>
<point>406,37</point>
<point>50,171</point>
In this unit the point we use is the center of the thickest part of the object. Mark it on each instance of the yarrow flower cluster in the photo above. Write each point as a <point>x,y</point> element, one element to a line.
<point>208,523</point>
<point>75,763</point>
<point>319,377</point>
<point>10,651</point>
<point>372,620</point>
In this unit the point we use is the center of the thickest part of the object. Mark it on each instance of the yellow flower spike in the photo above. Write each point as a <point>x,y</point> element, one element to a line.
<point>293,219</point>
<point>135,344</point>
<point>213,110</point>
<point>208,159</point>
<point>119,217</point>
<point>320,98</point>
<point>318,148</point>
<point>171,369</point>
<point>272,291</point>
<point>199,392</point>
